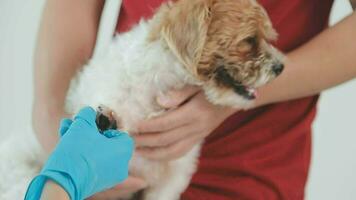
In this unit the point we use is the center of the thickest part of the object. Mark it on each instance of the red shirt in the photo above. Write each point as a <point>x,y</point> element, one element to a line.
<point>262,153</point>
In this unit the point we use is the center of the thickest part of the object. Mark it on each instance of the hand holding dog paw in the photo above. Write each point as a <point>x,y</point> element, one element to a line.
<point>191,119</point>
<point>77,167</point>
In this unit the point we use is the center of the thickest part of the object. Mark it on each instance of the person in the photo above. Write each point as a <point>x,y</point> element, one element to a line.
<point>261,153</point>
<point>76,170</point>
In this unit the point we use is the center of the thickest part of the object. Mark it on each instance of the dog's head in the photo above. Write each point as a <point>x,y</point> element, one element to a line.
<point>225,44</point>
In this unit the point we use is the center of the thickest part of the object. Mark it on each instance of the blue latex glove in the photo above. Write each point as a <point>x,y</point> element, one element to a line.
<point>85,162</point>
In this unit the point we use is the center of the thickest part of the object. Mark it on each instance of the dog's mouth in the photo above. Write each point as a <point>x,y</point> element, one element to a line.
<point>248,93</point>
<point>225,78</point>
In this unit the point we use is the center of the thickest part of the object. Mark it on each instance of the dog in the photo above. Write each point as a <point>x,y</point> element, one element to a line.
<point>222,46</point>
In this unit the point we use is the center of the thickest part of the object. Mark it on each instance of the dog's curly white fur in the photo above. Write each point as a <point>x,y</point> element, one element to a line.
<point>127,80</point>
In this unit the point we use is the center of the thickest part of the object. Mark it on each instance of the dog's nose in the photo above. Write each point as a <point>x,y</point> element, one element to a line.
<point>278,68</point>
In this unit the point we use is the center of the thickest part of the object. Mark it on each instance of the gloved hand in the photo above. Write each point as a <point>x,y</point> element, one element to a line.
<point>85,162</point>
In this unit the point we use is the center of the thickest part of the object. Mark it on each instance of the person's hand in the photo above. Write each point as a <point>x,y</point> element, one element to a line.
<point>85,162</point>
<point>173,134</point>
<point>124,190</point>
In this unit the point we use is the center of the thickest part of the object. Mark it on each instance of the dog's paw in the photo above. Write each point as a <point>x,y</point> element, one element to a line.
<point>105,119</point>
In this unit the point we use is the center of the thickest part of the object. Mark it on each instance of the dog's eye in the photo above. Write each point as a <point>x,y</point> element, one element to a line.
<point>251,40</point>
<point>247,44</point>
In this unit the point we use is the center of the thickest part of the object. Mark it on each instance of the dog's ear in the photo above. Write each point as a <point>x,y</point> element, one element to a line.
<point>184,28</point>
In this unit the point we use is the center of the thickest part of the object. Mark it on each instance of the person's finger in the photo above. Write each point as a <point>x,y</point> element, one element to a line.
<point>122,140</point>
<point>113,133</point>
<point>119,137</point>
<point>171,152</point>
<point>174,98</point>
<point>124,190</point>
<point>64,126</point>
<point>168,121</point>
<point>132,183</point>
<point>87,114</point>
<point>163,138</point>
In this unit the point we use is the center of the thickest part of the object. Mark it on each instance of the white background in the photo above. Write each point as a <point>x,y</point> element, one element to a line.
<point>333,175</point>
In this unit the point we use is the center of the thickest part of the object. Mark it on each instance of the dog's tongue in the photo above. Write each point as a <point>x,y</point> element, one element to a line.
<point>255,93</point>
<point>250,93</point>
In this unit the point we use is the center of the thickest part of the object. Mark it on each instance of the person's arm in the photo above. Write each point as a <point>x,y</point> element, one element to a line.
<point>65,42</point>
<point>324,62</point>
<point>53,191</point>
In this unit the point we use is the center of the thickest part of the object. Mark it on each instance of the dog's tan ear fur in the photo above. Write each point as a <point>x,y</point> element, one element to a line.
<point>184,28</point>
